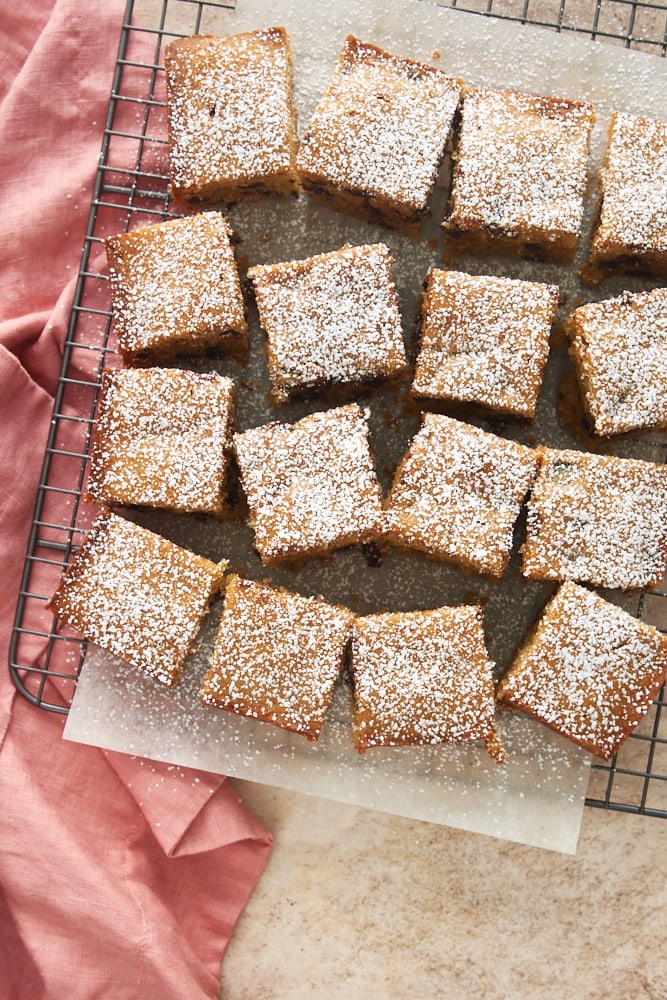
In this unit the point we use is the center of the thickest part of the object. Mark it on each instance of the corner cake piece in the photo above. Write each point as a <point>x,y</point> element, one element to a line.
<point>375,142</point>
<point>597,519</point>
<point>231,116</point>
<point>619,347</point>
<point>331,320</point>
<point>587,670</point>
<point>162,438</point>
<point>457,494</point>
<point>423,677</point>
<point>630,233</point>
<point>520,171</point>
<point>175,290</point>
<point>311,486</point>
<point>484,340</point>
<point>277,656</point>
<point>137,595</point>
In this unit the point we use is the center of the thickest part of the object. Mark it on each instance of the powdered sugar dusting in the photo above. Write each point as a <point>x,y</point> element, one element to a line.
<point>598,519</point>
<point>590,671</point>
<point>620,348</point>
<point>381,127</point>
<point>484,339</point>
<point>277,656</point>
<point>311,486</point>
<point>162,437</point>
<point>137,595</point>
<point>330,320</point>
<point>421,677</point>
<point>458,493</point>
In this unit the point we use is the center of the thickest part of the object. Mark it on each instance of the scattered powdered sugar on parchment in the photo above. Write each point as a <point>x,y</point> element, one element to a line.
<point>537,796</point>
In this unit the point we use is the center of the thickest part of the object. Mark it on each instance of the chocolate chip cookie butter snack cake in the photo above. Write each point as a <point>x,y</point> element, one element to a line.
<point>587,670</point>
<point>619,349</point>
<point>231,116</point>
<point>331,321</point>
<point>162,438</point>
<point>277,656</point>
<point>423,677</point>
<point>597,519</point>
<point>484,341</point>
<point>630,233</point>
<point>520,174</point>
<point>137,595</point>
<point>374,144</point>
<point>311,486</point>
<point>457,494</point>
<point>175,290</point>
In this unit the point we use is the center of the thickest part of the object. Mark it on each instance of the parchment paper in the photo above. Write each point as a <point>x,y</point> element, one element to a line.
<point>537,797</point>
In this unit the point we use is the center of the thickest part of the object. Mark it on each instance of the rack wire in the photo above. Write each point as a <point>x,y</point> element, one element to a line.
<point>131,186</point>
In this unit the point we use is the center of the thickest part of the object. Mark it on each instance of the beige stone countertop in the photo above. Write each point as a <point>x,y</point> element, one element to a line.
<point>360,904</point>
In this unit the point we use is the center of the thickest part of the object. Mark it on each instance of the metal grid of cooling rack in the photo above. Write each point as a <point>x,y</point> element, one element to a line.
<point>131,184</point>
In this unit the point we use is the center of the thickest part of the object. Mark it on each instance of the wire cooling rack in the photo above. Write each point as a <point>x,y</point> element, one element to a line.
<point>131,187</point>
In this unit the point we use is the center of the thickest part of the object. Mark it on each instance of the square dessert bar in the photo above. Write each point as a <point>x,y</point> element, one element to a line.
<point>631,228</point>
<point>597,519</point>
<point>330,321</point>
<point>423,677</point>
<point>374,145</point>
<point>619,348</point>
<point>587,670</point>
<point>162,438</point>
<point>175,290</point>
<point>277,656</point>
<point>520,171</point>
<point>311,486</point>
<point>484,340</point>
<point>231,116</point>
<point>457,494</point>
<point>137,595</point>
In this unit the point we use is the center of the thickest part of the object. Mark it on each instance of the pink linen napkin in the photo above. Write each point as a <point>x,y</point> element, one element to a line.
<point>119,877</point>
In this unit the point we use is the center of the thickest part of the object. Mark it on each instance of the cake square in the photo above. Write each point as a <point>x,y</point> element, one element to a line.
<point>231,116</point>
<point>175,290</point>
<point>631,228</point>
<point>137,595</point>
<point>423,677</point>
<point>331,320</point>
<point>457,494</point>
<point>520,172</point>
<point>162,438</point>
<point>597,519</point>
<point>374,144</point>
<point>484,340</point>
<point>619,348</point>
<point>311,486</point>
<point>587,670</point>
<point>277,656</point>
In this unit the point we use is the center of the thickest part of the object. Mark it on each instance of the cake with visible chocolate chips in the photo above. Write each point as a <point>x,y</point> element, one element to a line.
<point>162,438</point>
<point>175,290</point>
<point>277,656</point>
<point>484,340</point>
<point>137,595</point>
<point>457,494</point>
<point>597,519</point>
<point>331,321</point>
<point>520,173</point>
<point>630,233</point>
<point>311,486</point>
<point>374,144</point>
<point>231,116</point>
<point>423,677</point>
<point>619,348</point>
<point>587,670</point>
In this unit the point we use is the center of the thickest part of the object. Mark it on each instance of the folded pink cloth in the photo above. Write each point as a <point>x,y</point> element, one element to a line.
<point>119,877</point>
